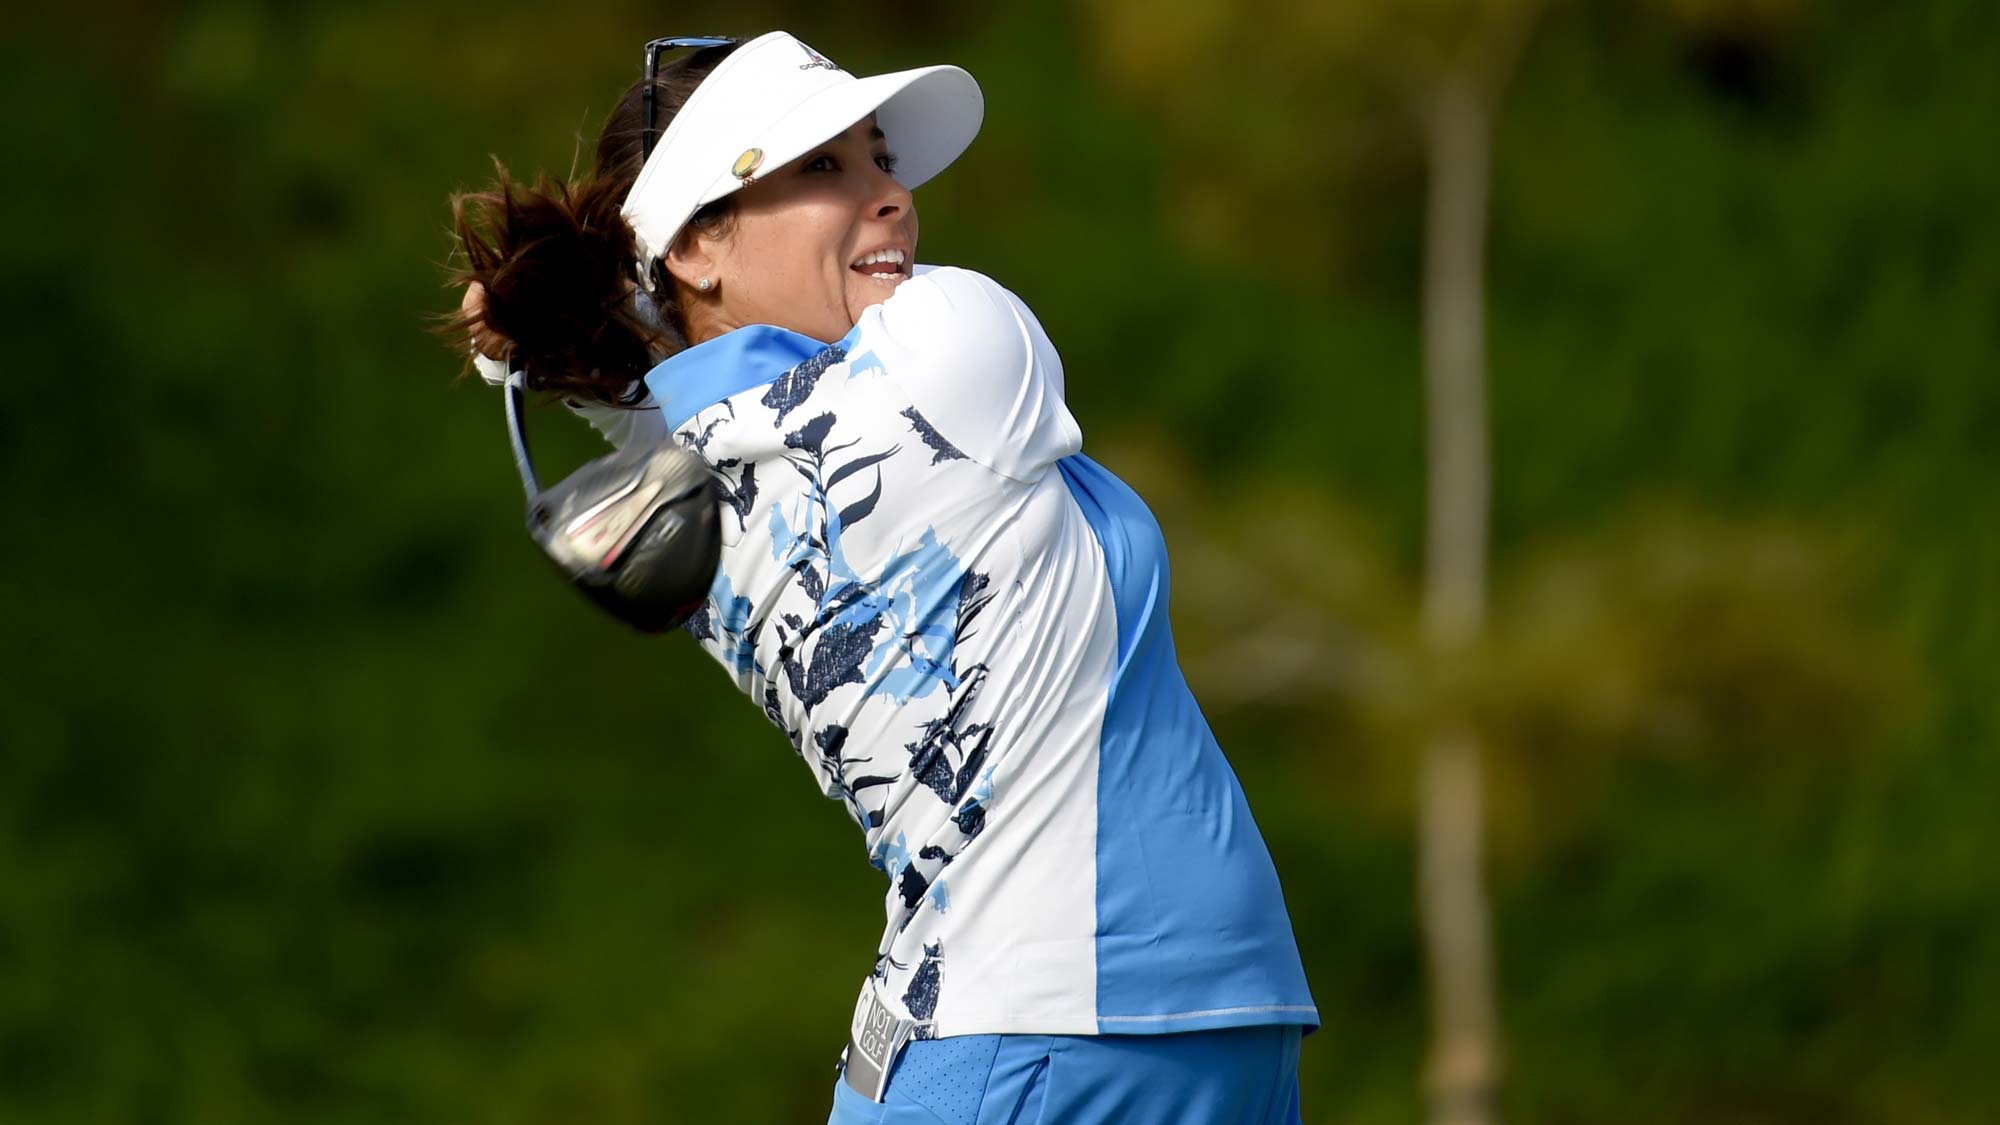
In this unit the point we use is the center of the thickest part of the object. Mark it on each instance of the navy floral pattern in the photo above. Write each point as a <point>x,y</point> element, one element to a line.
<point>942,450</point>
<point>886,635</point>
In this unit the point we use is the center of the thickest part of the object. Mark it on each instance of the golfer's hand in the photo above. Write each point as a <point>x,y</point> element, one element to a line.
<point>484,340</point>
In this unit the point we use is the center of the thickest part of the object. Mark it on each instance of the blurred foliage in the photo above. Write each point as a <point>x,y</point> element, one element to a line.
<point>320,800</point>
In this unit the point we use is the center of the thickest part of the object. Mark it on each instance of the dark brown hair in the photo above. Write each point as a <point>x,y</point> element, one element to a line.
<point>557,259</point>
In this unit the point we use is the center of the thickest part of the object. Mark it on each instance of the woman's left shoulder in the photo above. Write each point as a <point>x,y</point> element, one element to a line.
<point>979,366</point>
<point>954,285</point>
<point>949,311</point>
<point>961,302</point>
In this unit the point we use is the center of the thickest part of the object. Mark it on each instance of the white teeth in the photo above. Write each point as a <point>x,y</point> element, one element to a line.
<point>895,256</point>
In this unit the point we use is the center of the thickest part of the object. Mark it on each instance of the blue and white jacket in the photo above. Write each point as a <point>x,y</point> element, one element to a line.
<point>961,624</point>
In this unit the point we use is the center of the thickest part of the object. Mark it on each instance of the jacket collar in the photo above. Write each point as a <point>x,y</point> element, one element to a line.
<point>701,376</point>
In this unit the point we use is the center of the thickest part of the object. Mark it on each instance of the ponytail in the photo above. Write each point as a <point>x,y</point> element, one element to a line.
<point>556,262</point>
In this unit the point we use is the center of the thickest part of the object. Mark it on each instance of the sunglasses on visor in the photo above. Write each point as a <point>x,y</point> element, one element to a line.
<point>671,43</point>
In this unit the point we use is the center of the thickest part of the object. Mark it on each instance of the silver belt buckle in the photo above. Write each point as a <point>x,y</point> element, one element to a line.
<point>873,1040</point>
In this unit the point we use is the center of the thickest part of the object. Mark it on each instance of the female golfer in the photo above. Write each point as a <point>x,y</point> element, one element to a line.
<point>958,620</point>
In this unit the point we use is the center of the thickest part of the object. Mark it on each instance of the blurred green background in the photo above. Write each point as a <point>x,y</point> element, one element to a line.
<point>321,800</point>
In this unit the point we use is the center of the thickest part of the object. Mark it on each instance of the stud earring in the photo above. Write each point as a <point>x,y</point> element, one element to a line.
<point>704,285</point>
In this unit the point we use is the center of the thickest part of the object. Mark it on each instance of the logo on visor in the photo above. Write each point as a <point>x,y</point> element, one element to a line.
<point>818,60</point>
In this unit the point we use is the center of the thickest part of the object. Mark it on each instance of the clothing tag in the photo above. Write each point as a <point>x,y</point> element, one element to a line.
<point>873,1040</point>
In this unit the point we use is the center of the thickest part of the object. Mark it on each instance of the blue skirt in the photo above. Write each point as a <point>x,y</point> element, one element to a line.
<point>1232,1076</point>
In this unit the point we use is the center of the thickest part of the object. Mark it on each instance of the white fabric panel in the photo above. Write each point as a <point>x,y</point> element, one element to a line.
<point>977,364</point>
<point>1025,954</point>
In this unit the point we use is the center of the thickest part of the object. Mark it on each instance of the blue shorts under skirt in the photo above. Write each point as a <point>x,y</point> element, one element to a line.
<point>1232,1076</point>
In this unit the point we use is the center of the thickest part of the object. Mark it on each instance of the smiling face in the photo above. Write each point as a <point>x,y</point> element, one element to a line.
<point>808,247</point>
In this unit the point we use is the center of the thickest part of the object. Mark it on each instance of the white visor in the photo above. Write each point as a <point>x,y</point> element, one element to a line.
<point>769,103</point>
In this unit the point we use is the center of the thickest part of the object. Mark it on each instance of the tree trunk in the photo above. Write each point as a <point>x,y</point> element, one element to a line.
<point>1462,1075</point>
